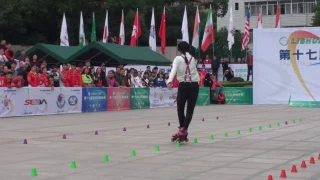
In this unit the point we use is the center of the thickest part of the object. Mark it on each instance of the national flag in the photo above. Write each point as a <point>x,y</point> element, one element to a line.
<point>121,34</point>
<point>208,34</point>
<point>260,18</point>
<point>64,39</point>
<point>106,30</point>
<point>230,30</point>
<point>246,34</point>
<point>136,31</point>
<point>82,38</point>
<point>152,36</point>
<point>195,39</point>
<point>93,31</point>
<point>162,31</point>
<point>184,28</point>
<point>278,16</point>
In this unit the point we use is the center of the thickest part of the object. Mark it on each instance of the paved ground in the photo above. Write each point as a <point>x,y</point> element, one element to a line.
<point>246,156</point>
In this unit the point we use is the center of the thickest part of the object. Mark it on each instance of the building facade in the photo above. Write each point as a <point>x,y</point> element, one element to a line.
<point>293,13</point>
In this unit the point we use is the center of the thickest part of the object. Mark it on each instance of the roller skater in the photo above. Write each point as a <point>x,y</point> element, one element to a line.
<point>185,68</point>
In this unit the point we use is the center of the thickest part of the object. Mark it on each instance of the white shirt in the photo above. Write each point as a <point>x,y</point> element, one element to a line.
<point>179,68</point>
<point>138,82</point>
<point>3,58</point>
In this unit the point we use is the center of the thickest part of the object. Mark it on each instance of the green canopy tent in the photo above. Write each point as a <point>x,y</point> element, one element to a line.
<point>53,54</point>
<point>114,54</point>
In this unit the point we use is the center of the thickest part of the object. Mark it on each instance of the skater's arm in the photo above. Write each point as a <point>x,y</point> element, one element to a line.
<point>173,72</point>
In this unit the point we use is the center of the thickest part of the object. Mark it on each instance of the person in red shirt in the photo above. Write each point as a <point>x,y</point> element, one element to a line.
<point>44,80</point>
<point>5,81</point>
<point>207,60</point>
<point>65,75</point>
<point>33,78</point>
<point>74,76</point>
<point>220,98</point>
<point>18,81</point>
<point>9,53</point>
<point>250,65</point>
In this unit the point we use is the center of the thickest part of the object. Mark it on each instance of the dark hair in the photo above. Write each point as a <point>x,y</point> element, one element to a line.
<point>51,76</point>
<point>80,65</point>
<point>20,73</point>
<point>13,62</point>
<point>73,64</point>
<point>9,72</point>
<point>183,47</point>
<point>54,66</point>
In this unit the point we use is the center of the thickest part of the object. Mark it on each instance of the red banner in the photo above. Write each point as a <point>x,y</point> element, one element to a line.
<point>118,99</point>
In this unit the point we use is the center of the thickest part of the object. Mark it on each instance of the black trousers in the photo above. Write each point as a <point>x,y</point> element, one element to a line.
<point>187,92</point>
<point>250,71</point>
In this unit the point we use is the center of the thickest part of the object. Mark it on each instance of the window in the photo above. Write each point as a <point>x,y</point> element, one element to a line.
<point>254,10</point>
<point>294,8</point>
<point>271,9</point>
<point>288,8</point>
<point>282,9</point>
<point>300,8</point>
<point>264,10</point>
<point>237,6</point>
<point>308,7</point>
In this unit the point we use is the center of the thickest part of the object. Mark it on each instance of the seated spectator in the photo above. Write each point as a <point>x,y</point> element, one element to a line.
<point>18,81</point>
<point>9,53</point>
<point>44,81</point>
<point>229,74</point>
<point>160,82</point>
<point>101,79</point>
<point>110,79</point>
<point>220,98</point>
<point>86,78</point>
<point>6,80</point>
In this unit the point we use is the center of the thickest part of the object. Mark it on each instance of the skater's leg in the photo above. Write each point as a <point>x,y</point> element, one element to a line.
<point>181,103</point>
<point>192,99</point>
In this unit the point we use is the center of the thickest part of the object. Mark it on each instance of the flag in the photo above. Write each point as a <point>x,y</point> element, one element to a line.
<point>64,39</point>
<point>208,34</point>
<point>106,30</point>
<point>278,16</point>
<point>152,36</point>
<point>136,30</point>
<point>162,31</point>
<point>230,30</point>
<point>260,18</point>
<point>93,31</point>
<point>246,34</point>
<point>184,28</point>
<point>195,39</point>
<point>82,38</point>
<point>121,34</point>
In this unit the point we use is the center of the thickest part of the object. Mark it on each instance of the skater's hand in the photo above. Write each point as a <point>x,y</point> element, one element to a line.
<point>169,86</point>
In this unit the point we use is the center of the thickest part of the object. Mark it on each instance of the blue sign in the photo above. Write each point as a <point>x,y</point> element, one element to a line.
<point>94,99</point>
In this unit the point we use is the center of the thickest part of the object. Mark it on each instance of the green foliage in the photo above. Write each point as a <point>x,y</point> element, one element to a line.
<point>236,84</point>
<point>316,17</point>
<point>237,79</point>
<point>28,22</point>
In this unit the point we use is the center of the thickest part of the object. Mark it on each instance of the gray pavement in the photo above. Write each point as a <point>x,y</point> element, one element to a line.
<point>250,155</point>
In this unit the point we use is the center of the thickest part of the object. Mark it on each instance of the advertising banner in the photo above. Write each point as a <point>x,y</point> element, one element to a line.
<point>163,97</point>
<point>203,97</point>
<point>94,99</point>
<point>139,98</point>
<point>11,101</point>
<point>236,95</point>
<point>290,65</point>
<point>118,99</point>
<point>73,100</point>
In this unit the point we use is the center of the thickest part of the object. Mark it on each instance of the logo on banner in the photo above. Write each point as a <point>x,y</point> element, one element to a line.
<point>283,41</point>
<point>61,101</point>
<point>35,102</point>
<point>7,106</point>
<point>73,100</point>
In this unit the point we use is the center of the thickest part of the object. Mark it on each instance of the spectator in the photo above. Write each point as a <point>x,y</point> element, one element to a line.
<point>34,61</point>
<point>211,82</point>
<point>160,82</point>
<point>57,80</point>
<point>74,77</point>
<point>225,66</point>
<point>101,79</point>
<point>9,53</point>
<point>220,98</point>
<point>127,78</point>
<point>18,81</point>
<point>155,70</point>
<point>1,70</point>
<point>118,77</point>
<point>153,76</point>
<point>86,78</point>
<point>207,60</point>
<point>239,61</point>
<point>3,58</point>
<point>131,77</point>
<point>201,79</point>
<point>6,80</point>
<point>148,70</point>
<point>244,60</point>
<point>44,63</point>
<point>229,74</point>
<point>3,44</point>
<point>103,69</point>
<point>122,82</point>
<point>92,74</point>
<point>138,80</point>
<point>203,70</point>
<point>33,78</point>
<point>13,68</point>
<point>51,81</point>
<point>22,70</point>
<point>87,64</point>
<point>250,65</point>
<point>65,75</point>
<point>22,55</point>
<point>5,69</point>
<point>166,77</point>
<point>110,79</point>
<point>215,65</point>
<point>146,80</point>
<point>44,81</point>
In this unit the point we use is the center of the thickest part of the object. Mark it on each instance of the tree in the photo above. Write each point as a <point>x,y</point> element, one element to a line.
<point>316,17</point>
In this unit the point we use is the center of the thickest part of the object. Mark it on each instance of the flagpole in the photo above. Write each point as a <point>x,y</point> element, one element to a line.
<point>137,27</point>
<point>213,40</point>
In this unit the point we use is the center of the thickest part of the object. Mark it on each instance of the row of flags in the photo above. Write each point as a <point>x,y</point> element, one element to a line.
<point>208,36</point>
<point>246,33</point>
